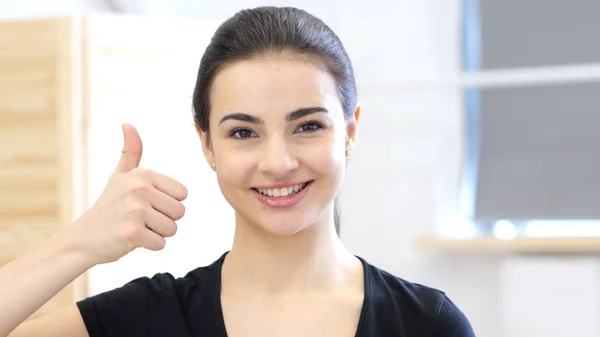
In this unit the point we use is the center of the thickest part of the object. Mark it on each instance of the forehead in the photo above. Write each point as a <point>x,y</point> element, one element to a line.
<point>271,85</point>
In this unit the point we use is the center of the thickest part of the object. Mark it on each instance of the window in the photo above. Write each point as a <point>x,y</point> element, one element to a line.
<point>531,88</point>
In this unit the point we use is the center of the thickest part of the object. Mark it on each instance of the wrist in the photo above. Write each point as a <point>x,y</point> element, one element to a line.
<point>66,243</point>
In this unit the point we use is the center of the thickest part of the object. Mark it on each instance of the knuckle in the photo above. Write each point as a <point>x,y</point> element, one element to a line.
<point>136,209</point>
<point>132,233</point>
<point>141,176</point>
<point>141,172</point>
<point>137,187</point>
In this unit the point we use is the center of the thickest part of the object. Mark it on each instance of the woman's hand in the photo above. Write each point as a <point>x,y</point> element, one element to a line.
<point>138,208</point>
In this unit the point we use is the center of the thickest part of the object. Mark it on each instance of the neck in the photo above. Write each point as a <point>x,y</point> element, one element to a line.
<point>313,260</point>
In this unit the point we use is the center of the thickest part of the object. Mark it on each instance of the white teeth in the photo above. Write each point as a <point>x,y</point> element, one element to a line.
<point>281,192</point>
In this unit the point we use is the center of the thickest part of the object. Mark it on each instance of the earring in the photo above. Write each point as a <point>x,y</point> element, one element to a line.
<point>347,153</point>
<point>214,167</point>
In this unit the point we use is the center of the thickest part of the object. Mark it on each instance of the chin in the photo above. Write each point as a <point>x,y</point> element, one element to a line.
<point>283,227</point>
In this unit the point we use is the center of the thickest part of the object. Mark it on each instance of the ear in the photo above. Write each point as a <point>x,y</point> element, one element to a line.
<point>352,129</point>
<point>206,146</point>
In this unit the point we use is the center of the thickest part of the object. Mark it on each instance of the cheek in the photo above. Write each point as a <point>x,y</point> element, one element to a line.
<point>233,166</point>
<point>327,158</point>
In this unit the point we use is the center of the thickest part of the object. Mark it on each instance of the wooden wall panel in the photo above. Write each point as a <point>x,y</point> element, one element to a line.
<point>37,105</point>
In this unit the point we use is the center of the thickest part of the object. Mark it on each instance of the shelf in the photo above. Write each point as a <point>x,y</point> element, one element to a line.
<point>515,246</point>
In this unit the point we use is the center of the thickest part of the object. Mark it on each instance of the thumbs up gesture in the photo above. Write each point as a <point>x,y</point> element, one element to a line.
<point>138,208</point>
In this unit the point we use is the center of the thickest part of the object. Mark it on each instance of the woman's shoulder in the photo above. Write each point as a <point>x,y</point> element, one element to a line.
<point>399,288</point>
<point>420,310</point>
<point>153,305</point>
<point>200,279</point>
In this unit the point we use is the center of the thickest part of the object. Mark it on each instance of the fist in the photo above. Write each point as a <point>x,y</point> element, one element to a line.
<point>138,208</point>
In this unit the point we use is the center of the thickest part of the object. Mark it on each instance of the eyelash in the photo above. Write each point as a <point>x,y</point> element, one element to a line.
<point>316,127</point>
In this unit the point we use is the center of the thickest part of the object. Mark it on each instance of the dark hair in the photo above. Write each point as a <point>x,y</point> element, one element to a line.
<point>263,31</point>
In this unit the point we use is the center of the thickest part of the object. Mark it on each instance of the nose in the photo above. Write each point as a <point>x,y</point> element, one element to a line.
<point>277,160</point>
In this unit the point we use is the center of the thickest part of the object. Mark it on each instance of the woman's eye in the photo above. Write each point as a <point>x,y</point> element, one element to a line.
<point>242,134</point>
<point>310,127</point>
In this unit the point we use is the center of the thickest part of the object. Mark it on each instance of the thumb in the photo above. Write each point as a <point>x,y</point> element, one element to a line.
<point>132,150</point>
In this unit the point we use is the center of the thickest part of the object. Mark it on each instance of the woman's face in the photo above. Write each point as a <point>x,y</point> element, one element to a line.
<point>278,138</point>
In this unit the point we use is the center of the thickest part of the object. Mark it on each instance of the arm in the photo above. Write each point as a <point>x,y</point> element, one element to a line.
<point>63,323</point>
<point>31,280</point>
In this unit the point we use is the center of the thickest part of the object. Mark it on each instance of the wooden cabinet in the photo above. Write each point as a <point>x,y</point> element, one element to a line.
<point>66,85</point>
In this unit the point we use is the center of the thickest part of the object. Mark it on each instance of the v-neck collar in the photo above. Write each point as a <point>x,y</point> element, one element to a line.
<point>218,309</point>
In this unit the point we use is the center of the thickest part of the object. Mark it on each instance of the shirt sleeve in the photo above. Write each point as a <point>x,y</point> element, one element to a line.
<point>452,322</point>
<point>142,307</point>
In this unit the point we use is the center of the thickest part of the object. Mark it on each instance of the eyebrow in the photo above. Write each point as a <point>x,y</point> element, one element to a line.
<point>292,116</point>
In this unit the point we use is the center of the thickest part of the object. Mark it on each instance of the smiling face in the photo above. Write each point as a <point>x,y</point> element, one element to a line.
<point>278,138</point>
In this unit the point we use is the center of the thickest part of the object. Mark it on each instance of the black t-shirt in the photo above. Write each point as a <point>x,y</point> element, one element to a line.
<point>163,306</point>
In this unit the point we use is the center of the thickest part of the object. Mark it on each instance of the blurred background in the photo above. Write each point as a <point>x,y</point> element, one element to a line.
<point>476,171</point>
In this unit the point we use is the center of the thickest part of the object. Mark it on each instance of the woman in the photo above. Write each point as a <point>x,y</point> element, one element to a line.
<point>275,106</point>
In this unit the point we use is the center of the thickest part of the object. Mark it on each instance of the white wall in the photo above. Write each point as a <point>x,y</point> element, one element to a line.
<point>403,178</point>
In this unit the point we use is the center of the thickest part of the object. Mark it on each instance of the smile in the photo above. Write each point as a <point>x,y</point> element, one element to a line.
<point>281,192</point>
<point>285,196</point>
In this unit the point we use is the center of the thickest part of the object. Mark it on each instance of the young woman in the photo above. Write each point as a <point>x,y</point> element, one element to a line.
<point>276,110</point>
